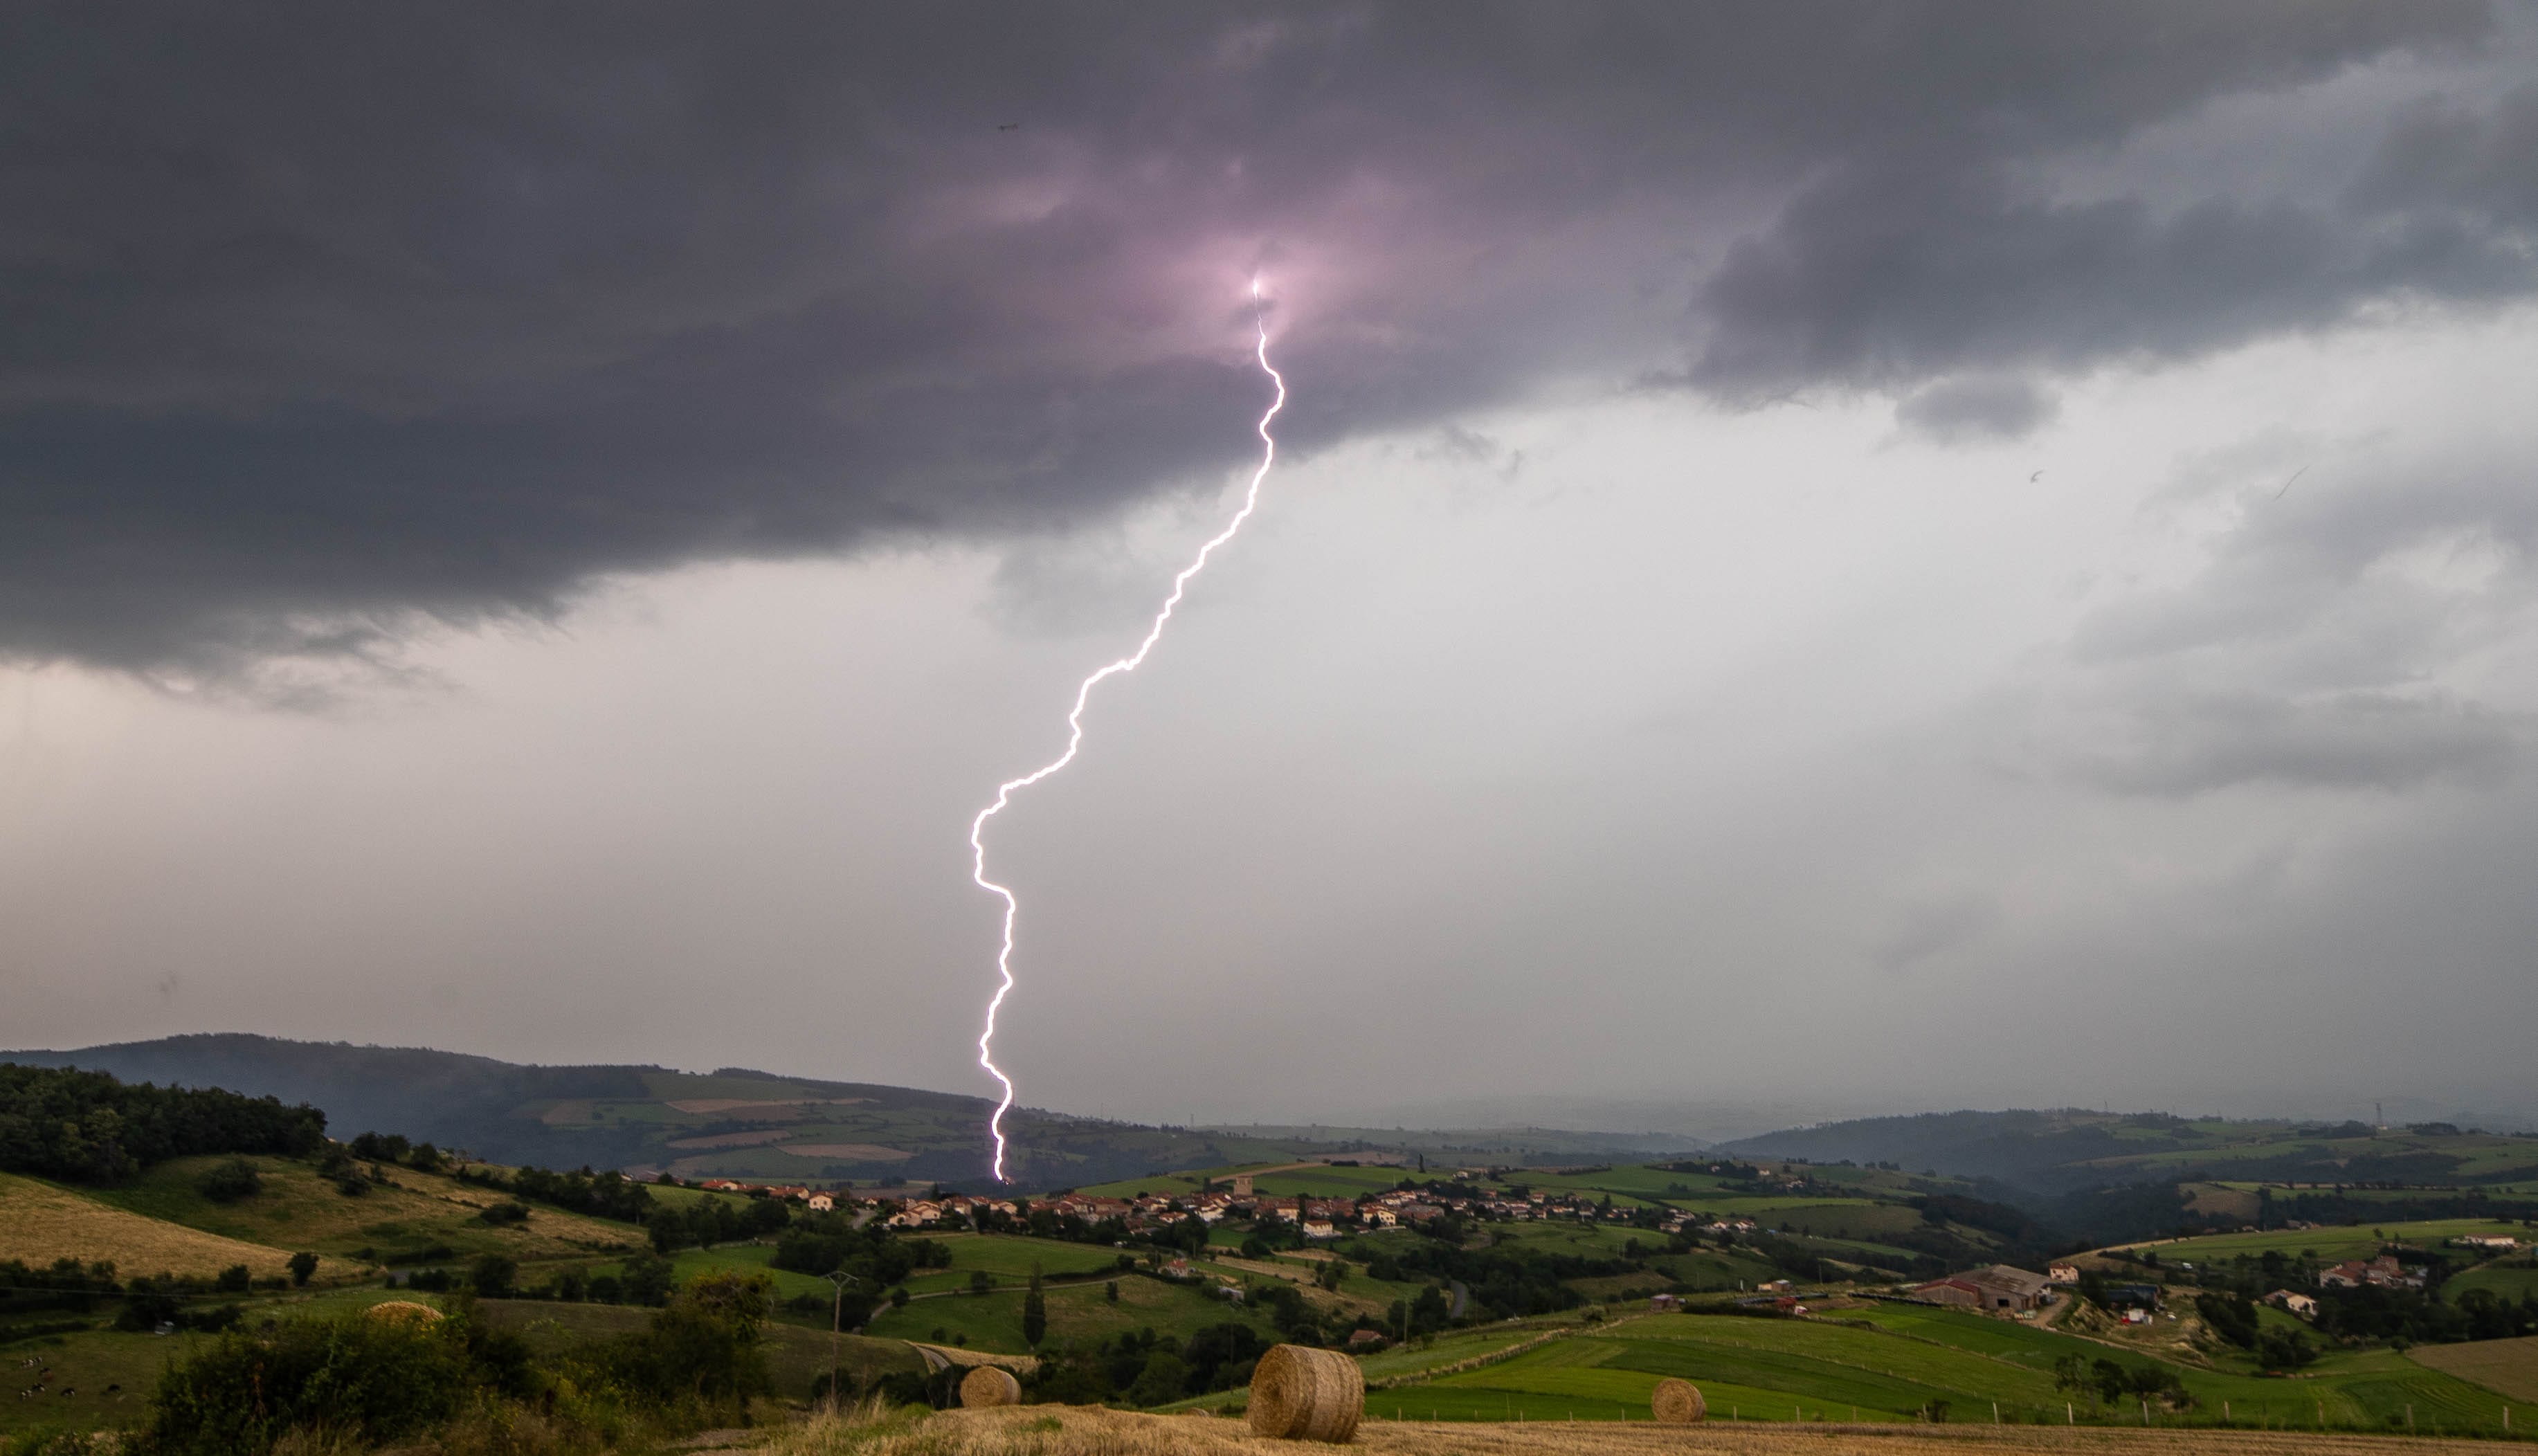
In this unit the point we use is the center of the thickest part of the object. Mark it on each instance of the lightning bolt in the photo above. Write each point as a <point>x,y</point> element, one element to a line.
<point>1075,729</point>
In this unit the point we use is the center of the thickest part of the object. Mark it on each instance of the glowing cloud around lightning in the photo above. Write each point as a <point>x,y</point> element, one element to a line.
<point>1075,730</point>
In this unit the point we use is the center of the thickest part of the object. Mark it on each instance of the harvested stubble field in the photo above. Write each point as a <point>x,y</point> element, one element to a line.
<point>40,1222</point>
<point>2508,1366</point>
<point>1068,1430</point>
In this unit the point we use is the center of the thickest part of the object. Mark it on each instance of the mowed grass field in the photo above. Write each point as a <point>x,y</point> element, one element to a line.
<point>297,1208</point>
<point>1897,1361</point>
<point>2508,1367</point>
<point>43,1222</point>
<point>1077,1314</point>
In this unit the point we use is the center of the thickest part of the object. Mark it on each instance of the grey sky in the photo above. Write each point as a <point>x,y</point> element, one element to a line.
<point>534,536</point>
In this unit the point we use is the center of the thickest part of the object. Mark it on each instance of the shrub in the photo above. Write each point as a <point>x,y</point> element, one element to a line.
<point>647,1279</point>
<point>371,1379</point>
<point>2282,1349</point>
<point>703,1347</point>
<point>230,1182</point>
<point>303,1266</point>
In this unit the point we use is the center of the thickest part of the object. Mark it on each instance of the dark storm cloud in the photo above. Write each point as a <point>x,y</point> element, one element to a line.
<point>1955,410</point>
<point>318,319</point>
<point>2349,741</point>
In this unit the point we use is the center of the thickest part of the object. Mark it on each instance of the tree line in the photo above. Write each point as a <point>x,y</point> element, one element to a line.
<point>86,1127</point>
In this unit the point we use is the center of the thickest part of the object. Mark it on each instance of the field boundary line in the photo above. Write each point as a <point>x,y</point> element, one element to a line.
<point>1494,1356</point>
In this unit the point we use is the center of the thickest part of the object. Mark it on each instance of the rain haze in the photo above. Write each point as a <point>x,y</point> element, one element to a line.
<point>1824,558</point>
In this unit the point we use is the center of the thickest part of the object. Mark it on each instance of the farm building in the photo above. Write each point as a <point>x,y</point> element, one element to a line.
<point>1997,1287</point>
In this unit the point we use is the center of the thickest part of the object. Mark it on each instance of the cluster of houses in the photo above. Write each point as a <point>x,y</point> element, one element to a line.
<point>811,1197</point>
<point>2383,1272</point>
<point>1316,1218</point>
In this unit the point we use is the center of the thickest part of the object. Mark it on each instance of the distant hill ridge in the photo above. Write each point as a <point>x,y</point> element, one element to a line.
<point>2059,1151</point>
<point>493,1108</point>
<point>742,1122</point>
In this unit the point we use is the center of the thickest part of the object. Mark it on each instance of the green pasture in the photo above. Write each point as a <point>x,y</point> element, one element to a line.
<point>1438,1351</point>
<point>2512,1279</point>
<point>103,1379</point>
<point>795,1356</point>
<point>1077,1313</point>
<point>1330,1182</point>
<point>747,1258</point>
<point>2335,1243</point>
<point>1710,1269</point>
<point>1170,1185</point>
<point>83,1368</point>
<point>1899,1361</point>
<point>1585,1240</point>
<point>1008,1259</point>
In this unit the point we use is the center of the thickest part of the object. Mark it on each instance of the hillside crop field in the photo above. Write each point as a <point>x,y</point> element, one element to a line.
<point>297,1208</point>
<point>43,1222</point>
<point>1894,1362</point>
<point>2508,1367</point>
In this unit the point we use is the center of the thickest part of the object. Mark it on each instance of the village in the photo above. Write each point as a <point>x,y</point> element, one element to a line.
<point>1314,1219</point>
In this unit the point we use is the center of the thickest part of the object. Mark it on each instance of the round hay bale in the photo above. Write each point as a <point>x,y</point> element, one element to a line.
<point>404,1310</point>
<point>1307,1395</point>
<point>990,1385</point>
<point>1678,1401</point>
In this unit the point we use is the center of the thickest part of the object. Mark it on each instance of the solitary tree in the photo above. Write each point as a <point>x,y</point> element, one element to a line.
<point>1035,1312</point>
<point>301,1267</point>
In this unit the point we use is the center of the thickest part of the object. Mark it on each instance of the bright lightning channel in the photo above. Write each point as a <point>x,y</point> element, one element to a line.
<point>1075,730</point>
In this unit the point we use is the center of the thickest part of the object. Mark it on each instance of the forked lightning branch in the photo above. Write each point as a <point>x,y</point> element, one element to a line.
<point>1075,730</point>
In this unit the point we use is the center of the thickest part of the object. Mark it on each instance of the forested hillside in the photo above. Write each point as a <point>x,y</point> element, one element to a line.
<point>87,1127</point>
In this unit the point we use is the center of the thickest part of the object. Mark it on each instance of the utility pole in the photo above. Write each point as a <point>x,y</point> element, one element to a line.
<point>837,1322</point>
